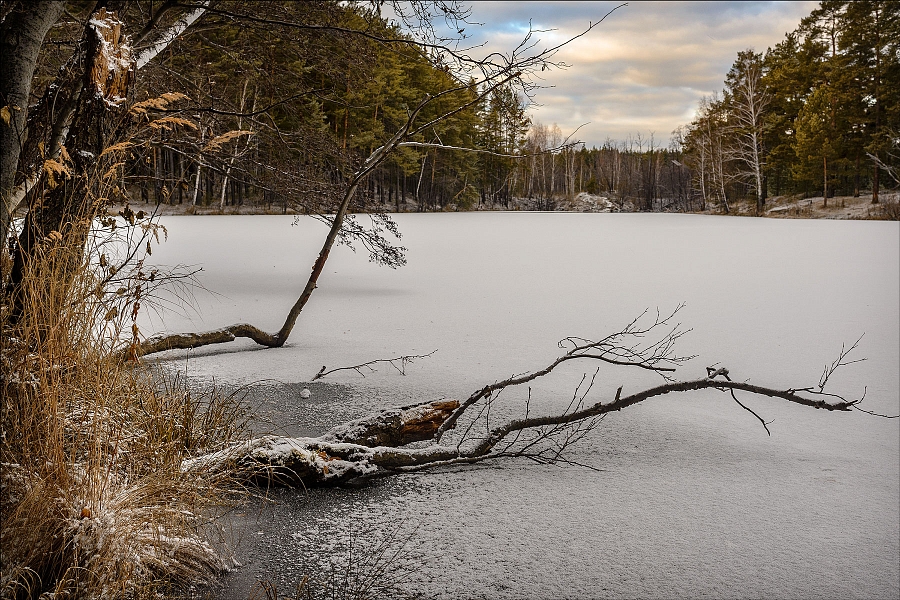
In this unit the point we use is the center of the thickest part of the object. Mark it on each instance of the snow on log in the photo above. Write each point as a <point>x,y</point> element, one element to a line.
<point>356,449</point>
<point>381,444</point>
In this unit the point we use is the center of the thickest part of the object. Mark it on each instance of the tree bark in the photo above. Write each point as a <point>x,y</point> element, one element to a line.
<point>102,86</point>
<point>356,449</point>
<point>79,112</point>
<point>22,34</point>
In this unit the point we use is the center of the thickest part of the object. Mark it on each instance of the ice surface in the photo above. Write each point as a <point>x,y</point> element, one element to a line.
<point>693,500</point>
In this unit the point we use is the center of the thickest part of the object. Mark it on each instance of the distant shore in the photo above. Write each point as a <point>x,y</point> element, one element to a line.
<point>782,207</point>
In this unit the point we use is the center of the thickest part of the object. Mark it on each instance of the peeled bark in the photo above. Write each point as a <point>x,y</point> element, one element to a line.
<point>395,426</point>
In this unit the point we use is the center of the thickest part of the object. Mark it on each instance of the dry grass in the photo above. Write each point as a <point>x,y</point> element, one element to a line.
<point>888,209</point>
<point>94,502</point>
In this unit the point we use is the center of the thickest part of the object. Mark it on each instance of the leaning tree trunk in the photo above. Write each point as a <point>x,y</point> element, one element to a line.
<point>278,339</point>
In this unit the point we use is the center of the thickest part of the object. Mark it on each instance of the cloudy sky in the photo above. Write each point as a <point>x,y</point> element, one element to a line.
<point>645,67</point>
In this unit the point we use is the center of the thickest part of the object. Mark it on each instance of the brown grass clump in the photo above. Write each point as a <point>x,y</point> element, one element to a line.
<point>888,209</point>
<point>93,500</point>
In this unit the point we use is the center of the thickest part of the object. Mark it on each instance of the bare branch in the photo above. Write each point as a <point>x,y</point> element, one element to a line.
<point>398,363</point>
<point>713,373</point>
<point>892,171</point>
<point>840,361</point>
<point>657,356</point>
<point>488,152</point>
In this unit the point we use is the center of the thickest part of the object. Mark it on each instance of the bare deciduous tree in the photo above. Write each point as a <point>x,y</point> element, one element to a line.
<point>487,75</point>
<point>748,100</point>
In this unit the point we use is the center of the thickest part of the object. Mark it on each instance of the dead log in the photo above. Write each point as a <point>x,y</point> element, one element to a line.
<point>358,448</point>
<point>380,444</point>
<point>394,426</point>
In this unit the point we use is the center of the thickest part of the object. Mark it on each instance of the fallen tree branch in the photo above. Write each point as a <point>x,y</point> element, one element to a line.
<point>195,340</point>
<point>623,348</point>
<point>409,438</point>
<point>403,360</point>
<point>712,373</point>
<point>374,446</point>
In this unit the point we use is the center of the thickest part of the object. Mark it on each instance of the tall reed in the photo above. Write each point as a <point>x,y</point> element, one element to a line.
<point>93,500</point>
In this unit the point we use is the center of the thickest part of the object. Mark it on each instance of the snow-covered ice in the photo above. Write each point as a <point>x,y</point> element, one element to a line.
<point>691,498</point>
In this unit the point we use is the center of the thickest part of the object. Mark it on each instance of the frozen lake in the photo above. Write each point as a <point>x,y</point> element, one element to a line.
<point>691,498</point>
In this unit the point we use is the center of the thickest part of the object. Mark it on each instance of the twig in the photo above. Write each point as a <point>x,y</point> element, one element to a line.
<point>401,367</point>
<point>713,373</point>
<point>839,362</point>
<point>611,349</point>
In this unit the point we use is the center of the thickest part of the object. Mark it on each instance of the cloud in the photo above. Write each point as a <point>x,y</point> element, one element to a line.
<point>645,67</point>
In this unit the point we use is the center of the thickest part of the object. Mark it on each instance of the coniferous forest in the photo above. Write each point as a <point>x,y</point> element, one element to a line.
<point>817,115</point>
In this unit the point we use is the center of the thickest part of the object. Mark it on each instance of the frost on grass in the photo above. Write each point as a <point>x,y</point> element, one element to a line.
<point>115,535</point>
<point>146,539</point>
<point>92,499</point>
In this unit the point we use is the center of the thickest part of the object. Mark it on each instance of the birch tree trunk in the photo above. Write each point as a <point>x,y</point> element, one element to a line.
<point>749,100</point>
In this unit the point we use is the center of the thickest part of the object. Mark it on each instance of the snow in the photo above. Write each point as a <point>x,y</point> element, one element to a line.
<point>273,450</point>
<point>691,499</point>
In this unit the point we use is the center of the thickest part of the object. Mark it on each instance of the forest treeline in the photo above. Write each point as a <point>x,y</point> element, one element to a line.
<point>818,115</point>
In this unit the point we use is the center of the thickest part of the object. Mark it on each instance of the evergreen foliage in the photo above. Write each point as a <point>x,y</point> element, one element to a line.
<point>834,109</point>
